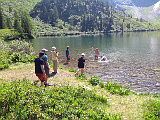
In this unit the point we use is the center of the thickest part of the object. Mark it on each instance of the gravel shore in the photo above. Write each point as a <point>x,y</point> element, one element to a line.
<point>141,77</point>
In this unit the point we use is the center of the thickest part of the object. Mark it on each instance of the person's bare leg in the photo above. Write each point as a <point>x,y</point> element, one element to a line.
<point>46,78</point>
<point>82,71</point>
<point>42,84</point>
<point>77,72</point>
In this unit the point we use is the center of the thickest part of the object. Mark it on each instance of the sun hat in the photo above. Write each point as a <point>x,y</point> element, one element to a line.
<point>53,48</point>
<point>44,50</point>
<point>83,54</point>
<point>41,54</point>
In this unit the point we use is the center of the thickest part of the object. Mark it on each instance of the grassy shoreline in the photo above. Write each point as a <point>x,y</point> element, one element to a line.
<point>130,106</point>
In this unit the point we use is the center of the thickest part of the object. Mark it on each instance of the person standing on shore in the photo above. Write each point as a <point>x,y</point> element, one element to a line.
<point>96,53</point>
<point>39,68</point>
<point>54,56</point>
<point>81,64</point>
<point>67,55</point>
<point>46,65</point>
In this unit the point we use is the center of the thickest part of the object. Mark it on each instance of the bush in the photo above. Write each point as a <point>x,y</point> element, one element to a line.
<point>15,57</point>
<point>20,46</point>
<point>94,81</point>
<point>22,100</point>
<point>115,88</point>
<point>153,110</point>
<point>82,77</point>
<point>71,70</point>
<point>101,85</point>
<point>27,58</point>
<point>8,34</point>
<point>7,59</point>
<point>4,60</point>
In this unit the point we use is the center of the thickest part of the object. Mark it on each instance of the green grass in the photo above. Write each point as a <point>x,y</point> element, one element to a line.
<point>130,107</point>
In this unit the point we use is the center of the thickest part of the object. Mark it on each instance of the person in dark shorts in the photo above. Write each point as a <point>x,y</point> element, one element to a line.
<point>39,68</point>
<point>81,64</point>
<point>67,55</point>
<point>46,65</point>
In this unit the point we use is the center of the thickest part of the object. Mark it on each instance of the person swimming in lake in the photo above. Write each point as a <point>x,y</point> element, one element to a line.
<point>96,53</point>
<point>103,58</point>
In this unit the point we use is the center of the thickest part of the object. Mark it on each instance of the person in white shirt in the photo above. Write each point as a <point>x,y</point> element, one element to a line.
<point>54,56</point>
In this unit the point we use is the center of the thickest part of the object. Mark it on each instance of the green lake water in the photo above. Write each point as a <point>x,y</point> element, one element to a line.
<point>133,58</point>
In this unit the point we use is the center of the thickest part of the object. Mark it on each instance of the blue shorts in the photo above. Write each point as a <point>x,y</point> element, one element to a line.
<point>68,58</point>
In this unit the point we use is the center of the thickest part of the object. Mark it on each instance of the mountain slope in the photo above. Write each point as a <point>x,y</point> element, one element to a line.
<point>151,14</point>
<point>138,3</point>
<point>145,9</point>
<point>87,15</point>
<point>72,16</point>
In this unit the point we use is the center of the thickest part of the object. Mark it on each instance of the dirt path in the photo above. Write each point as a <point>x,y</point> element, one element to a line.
<point>27,71</point>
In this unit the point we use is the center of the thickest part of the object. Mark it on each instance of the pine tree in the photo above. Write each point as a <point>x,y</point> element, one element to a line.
<point>26,23</point>
<point>9,23</point>
<point>17,24</point>
<point>1,18</point>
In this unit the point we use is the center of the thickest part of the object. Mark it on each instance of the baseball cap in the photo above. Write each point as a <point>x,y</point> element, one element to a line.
<point>53,48</point>
<point>44,50</point>
<point>83,54</point>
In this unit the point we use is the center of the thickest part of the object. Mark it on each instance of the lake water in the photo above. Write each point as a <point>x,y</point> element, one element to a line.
<point>133,58</point>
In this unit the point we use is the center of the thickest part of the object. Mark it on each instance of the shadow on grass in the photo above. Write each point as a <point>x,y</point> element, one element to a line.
<point>52,74</point>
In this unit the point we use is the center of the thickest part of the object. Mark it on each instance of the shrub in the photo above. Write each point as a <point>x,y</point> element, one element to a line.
<point>20,46</point>
<point>115,88</point>
<point>8,34</point>
<point>27,58</point>
<point>15,57</point>
<point>94,81</point>
<point>82,77</point>
<point>4,60</point>
<point>17,46</point>
<point>7,59</point>
<point>153,110</point>
<point>71,70</point>
<point>22,100</point>
<point>101,85</point>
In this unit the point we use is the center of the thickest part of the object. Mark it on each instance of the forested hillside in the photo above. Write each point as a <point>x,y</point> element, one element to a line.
<point>138,3</point>
<point>11,5</point>
<point>60,17</point>
<point>87,15</point>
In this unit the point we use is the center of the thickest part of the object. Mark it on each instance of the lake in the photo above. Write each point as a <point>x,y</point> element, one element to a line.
<point>133,58</point>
